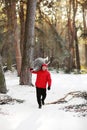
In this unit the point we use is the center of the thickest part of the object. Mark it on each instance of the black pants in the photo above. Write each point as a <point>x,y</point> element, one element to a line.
<point>41,95</point>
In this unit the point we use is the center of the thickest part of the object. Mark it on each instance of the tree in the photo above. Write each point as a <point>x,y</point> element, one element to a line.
<point>12,31</point>
<point>16,38</point>
<point>22,25</point>
<point>70,34</point>
<point>2,79</point>
<point>57,24</point>
<point>75,38</point>
<point>50,42</point>
<point>28,46</point>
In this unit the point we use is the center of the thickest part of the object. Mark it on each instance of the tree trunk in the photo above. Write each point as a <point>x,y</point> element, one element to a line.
<point>84,19</point>
<point>22,25</point>
<point>75,39</point>
<point>85,30</point>
<point>13,31</point>
<point>2,79</point>
<point>77,53</point>
<point>71,63</point>
<point>28,46</point>
<point>16,38</point>
<point>8,41</point>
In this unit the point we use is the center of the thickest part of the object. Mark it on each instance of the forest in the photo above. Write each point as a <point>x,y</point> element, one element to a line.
<point>43,64</point>
<point>29,29</point>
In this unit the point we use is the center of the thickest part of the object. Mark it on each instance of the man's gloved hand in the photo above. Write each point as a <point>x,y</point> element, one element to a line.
<point>31,69</point>
<point>48,87</point>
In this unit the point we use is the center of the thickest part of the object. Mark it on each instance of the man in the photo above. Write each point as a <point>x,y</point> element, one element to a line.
<point>43,78</point>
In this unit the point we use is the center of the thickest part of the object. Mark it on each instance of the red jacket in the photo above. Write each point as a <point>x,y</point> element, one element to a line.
<point>43,78</point>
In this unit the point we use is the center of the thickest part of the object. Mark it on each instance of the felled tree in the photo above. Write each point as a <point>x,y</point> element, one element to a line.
<point>2,79</point>
<point>38,63</point>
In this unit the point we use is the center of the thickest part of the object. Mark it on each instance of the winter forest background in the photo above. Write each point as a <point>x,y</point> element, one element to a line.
<point>29,29</point>
<point>56,31</point>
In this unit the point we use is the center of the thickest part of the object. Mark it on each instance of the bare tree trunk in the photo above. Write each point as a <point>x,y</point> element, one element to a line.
<point>85,54</point>
<point>28,48</point>
<point>8,41</point>
<point>22,25</point>
<point>2,79</point>
<point>71,63</point>
<point>16,38</point>
<point>85,30</point>
<point>84,19</point>
<point>13,31</point>
<point>75,39</point>
<point>77,51</point>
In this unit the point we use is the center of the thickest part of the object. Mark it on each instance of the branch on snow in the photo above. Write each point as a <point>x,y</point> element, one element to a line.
<point>69,96</point>
<point>5,99</point>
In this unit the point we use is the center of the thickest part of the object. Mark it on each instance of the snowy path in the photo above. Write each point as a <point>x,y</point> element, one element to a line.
<point>27,116</point>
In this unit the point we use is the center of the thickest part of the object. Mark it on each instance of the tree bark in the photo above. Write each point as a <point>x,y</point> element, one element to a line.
<point>84,19</point>
<point>8,41</point>
<point>71,63</point>
<point>75,39</point>
<point>22,26</point>
<point>28,46</point>
<point>16,38</point>
<point>13,31</point>
<point>2,79</point>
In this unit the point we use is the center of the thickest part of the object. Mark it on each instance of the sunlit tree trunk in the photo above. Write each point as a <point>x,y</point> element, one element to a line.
<point>16,37</point>
<point>22,26</point>
<point>8,41</point>
<point>86,55</point>
<point>2,79</point>
<point>77,52</point>
<point>75,39</point>
<point>84,19</point>
<point>85,31</point>
<point>28,46</point>
<point>70,38</point>
<point>13,31</point>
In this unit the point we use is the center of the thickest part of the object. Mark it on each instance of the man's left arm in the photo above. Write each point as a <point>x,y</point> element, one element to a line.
<point>49,81</point>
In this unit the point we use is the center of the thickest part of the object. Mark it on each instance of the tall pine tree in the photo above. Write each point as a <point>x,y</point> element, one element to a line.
<point>28,46</point>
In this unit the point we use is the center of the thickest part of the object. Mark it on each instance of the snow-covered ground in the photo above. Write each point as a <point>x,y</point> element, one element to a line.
<point>27,116</point>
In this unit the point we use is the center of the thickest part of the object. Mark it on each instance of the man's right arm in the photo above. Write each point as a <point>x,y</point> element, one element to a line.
<point>32,71</point>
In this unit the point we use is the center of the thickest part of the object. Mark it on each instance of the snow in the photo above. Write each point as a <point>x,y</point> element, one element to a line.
<point>27,116</point>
